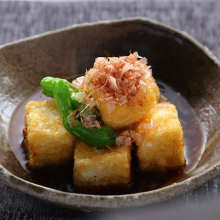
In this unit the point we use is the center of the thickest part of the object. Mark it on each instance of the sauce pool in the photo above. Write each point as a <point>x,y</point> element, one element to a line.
<point>61,177</point>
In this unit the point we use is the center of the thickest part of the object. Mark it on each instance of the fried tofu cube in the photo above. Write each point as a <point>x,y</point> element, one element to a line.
<point>160,141</point>
<point>46,140</point>
<point>94,168</point>
<point>123,88</point>
<point>121,116</point>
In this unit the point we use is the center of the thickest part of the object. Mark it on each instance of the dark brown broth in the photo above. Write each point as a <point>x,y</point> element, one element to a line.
<point>61,177</point>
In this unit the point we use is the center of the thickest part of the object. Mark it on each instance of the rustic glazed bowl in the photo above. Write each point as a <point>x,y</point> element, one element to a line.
<point>176,59</point>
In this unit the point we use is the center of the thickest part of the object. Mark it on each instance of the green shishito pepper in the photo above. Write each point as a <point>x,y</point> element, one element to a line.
<point>48,85</point>
<point>65,95</point>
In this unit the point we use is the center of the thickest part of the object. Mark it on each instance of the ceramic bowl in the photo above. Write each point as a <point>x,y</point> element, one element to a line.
<point>176,58</point>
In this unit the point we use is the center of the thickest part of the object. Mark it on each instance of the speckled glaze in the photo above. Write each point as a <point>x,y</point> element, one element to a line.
<point>176,59</point>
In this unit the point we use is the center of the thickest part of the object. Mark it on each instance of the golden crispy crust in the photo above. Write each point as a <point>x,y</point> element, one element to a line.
<point>159,139</point>
<point>46,140</point>
<point>101,168</point>
<point>123,88</point>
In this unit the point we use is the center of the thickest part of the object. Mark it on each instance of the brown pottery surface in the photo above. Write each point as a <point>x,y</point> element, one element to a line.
<point>176,59</point>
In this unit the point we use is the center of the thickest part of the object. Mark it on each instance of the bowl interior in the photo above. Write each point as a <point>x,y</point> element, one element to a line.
<point>174,58</point>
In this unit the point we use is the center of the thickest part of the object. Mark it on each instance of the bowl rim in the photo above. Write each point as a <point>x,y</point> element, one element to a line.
<point>99,202</point>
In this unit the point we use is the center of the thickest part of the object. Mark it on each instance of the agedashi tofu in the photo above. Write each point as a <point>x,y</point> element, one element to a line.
<point>160,142</point>
<point>46,140</point>
<point>94,168</point>
<point>123,88</point>
<point>120,116</point>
